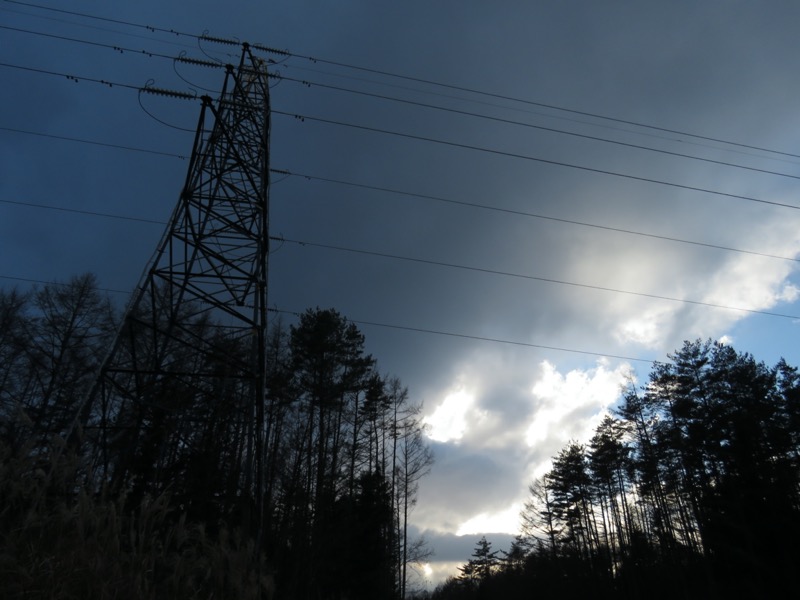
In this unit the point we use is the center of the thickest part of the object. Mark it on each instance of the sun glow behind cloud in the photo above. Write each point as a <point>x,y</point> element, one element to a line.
<point>506,521</point>
<point>448,422</point>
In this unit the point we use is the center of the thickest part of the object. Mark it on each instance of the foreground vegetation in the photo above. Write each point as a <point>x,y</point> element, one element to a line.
<point>149,501</point>
<point>691,490</point>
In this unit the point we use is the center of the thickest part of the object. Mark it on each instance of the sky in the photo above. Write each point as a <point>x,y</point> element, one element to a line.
<point>522,204</point>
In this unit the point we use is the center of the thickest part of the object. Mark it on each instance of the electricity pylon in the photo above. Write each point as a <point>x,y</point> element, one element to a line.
<point>191,351</point>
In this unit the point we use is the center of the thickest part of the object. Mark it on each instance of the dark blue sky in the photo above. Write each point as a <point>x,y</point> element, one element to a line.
<point>721,70</point>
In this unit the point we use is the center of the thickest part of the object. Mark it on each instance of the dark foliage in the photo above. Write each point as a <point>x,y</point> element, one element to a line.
<point>157,491</point>
<point>691,491</point>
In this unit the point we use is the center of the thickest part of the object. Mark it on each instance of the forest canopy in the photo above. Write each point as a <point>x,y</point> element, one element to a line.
<point>152,498</point>
<point>691,489</point>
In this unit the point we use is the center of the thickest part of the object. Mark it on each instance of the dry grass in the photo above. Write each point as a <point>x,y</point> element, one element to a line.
<point>59,540</point>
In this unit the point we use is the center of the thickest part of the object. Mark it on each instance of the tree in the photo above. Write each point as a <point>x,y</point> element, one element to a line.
<point>573,502</point>
<point>513,561</point>
<point>414,460</point>
<point>538,516</point>
<point>51,342</point>
<point>345,466</point>
<point>609,461</point>
<point>15,370</point>
<point>482,565</point>
<point>343,447</point>
<point>691,490</point>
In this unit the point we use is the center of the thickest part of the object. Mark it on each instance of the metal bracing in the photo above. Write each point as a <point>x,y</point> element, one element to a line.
<point>192,345</point>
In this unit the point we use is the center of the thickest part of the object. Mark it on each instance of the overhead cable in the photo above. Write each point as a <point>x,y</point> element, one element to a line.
<point>93,142</point>
<point>306,83</point>
<point>105,82</point>
<point>75,78</point>
<point>539,104</point>
<point>207,63</point>
<point>40,281</point>
<point>529,277</point>
<point>120,49</point>
<point>385,73</point>
<point>98,18</point>
<point>526,214</point>
<point>384,189</point>
<point>548,115</point>
<point>390,326</point>
<point>83,212</point>
<point>476,337</point>
<point>283,240</point>
<point>508,154</point>
<point>533,126</point>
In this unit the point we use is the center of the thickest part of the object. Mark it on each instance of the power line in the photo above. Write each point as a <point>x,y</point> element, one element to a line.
<point>59,283</point>
<point>476,337</point>
<point>543,114</point>
<point>384,189</point>
<point>110,84</point>
<point>530,158</point>
<point>403,193</point>
<point>428,262</point>
<point>97,18</point>
<point>93,142</point>
<point>184,95</point>
<point>539,104</point>
<point>307,83</point>
<point>188,96</point>
<point>391,326</point>
<point>77,79</point>
<point>120,49</point>
<point>410,78</point>
<point>533,126</point>
<point>71,77</point>
<point>396,192</point>
<point>84,212</point>
<point>529,277</point>
<point>529,214</point>
<point>97,27</point>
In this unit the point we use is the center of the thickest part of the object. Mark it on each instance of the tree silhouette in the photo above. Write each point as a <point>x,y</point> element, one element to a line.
<point>168,477</point>
<point>691,490</point>
<point>482,565</point>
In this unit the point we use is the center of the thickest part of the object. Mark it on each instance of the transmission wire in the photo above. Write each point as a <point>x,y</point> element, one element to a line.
<point>528,277</point>
<point>408,78</point>
<point>508,154</point>
<point>383,189</point>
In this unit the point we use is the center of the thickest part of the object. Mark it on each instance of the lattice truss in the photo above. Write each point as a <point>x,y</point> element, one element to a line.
<point>191,349</point>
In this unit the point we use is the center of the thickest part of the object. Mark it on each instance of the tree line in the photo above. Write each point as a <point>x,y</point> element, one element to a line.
<point>691,489</point>
<point>154,498</point>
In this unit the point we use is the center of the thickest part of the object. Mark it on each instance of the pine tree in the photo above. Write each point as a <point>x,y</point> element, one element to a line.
<point>482,565</point>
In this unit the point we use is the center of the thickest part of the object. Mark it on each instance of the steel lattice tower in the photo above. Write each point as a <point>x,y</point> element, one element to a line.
<point>192,346</point>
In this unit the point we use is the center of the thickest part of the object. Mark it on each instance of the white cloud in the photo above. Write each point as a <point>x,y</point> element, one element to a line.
<point>571,405</point>
<point>448,421</point>
<point>439,571</point>
<point>752,283</point>
<point>646,328</point>
<point>504,521</point>
<point>451,552</point>
<point>490,443</point>
<point>790,293</point>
